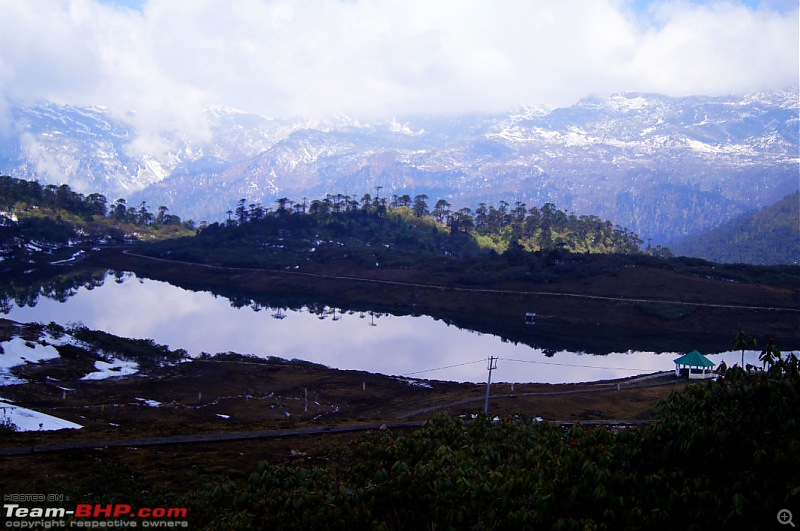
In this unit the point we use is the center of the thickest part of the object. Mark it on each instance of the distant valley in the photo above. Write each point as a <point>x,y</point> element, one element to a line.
<point>768,236</point>
<point>662,167</point>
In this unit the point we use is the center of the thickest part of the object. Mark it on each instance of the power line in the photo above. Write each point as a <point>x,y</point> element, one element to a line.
<point>534,362</point>
<point>447,367</point>
<point>577,365</point>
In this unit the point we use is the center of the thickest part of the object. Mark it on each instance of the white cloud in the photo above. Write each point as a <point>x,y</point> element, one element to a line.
<point>170,58</point>
<point>717,49</point>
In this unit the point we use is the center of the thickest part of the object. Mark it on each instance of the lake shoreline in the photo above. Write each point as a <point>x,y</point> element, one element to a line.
<point>645,309</point>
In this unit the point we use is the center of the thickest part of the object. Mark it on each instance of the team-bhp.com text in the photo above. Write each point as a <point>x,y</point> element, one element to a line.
<point>89,515</point>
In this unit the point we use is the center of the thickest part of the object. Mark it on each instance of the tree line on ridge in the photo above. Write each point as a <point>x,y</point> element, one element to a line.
<point>503,228</point>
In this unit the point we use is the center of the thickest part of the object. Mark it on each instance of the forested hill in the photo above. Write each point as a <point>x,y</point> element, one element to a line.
<point>397,231</point>
<point>38,219</point>
<point>49,223</point>
<point>770,236</point>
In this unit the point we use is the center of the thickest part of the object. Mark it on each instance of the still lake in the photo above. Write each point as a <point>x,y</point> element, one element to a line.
<point>411,346</point>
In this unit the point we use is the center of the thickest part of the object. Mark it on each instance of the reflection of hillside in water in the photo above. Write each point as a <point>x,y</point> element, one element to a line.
<point>58,284</point>
<point>26,291</point>
<point>545,332</point>
<point>61,284</point>
<point>370,338</point>
<point>323,307</point>
<point>321,311</point>
<point>334,309</point>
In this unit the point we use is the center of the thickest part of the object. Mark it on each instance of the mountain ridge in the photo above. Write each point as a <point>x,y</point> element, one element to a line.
<point>769,236</point>
<point>663,166</point>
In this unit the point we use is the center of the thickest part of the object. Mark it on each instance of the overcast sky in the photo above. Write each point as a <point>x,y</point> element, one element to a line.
<point>166,59</point>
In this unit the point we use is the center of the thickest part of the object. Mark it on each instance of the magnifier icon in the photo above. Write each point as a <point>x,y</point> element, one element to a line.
<point>785,517</point>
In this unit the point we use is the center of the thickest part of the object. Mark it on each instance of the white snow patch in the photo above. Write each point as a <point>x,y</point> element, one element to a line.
<point>10,215</point>
<point>404,128</point>
<point>115,367</point>
<point>627,102</point>
<point>18,352</point>
<point>148,402</point>
<point>74,257</point>
<point>415,383</point>
<point>28,420</point>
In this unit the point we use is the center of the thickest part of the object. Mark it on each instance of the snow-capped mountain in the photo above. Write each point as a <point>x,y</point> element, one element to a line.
<point>659,165</point>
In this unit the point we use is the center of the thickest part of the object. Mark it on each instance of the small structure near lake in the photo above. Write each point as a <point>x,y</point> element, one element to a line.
<point>694,366</point>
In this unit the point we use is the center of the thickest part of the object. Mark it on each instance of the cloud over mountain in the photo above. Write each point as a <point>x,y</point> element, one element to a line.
<point>661,166</point>
<point>169,59</point>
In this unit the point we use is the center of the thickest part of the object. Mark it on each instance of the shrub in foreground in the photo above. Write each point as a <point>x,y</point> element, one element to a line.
<point>723,454</point>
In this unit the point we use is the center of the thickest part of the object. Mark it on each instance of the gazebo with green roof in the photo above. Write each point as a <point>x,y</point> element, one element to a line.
<point>694,366</point>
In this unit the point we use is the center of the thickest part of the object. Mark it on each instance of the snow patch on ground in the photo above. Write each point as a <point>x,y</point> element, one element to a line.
<point>415,383</point>
<point>110,369</point>
<point>75,256</point>
<point>28,420</point>
<point>19,351</point>
<point>148,402</point>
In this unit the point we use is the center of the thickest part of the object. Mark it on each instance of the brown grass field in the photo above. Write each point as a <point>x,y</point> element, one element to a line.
<point>254,396</point>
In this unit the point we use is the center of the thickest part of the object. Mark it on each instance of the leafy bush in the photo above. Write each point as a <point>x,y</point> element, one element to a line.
<point>723,454</point>
<point>7,425</point>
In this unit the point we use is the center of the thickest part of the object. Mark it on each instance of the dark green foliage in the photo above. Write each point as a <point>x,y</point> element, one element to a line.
<point>722,455</point>
<point>259,360</point>
<point>406,225</point>
<point>735,443</point>
<point>498,244</point>
<point>23,196</point>
<point>769,236</point>
<point>719,455</point>
<point>7,425</point>
<point>43,224</point>
<point>399,239</point>
<point>283,241</point>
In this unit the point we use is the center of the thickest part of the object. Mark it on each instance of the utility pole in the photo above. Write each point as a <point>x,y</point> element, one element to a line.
<point>492,365</point>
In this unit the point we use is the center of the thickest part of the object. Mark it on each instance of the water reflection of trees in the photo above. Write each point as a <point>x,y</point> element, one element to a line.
<point>61,284</point>
<point>280,305</point>
<point>321,311</point>
<point>26,289</point>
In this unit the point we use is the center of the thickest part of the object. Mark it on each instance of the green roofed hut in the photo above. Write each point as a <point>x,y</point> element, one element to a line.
<point>694,366</point>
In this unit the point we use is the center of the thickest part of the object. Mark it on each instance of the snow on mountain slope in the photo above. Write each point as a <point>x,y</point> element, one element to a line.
<point>662,166</point>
